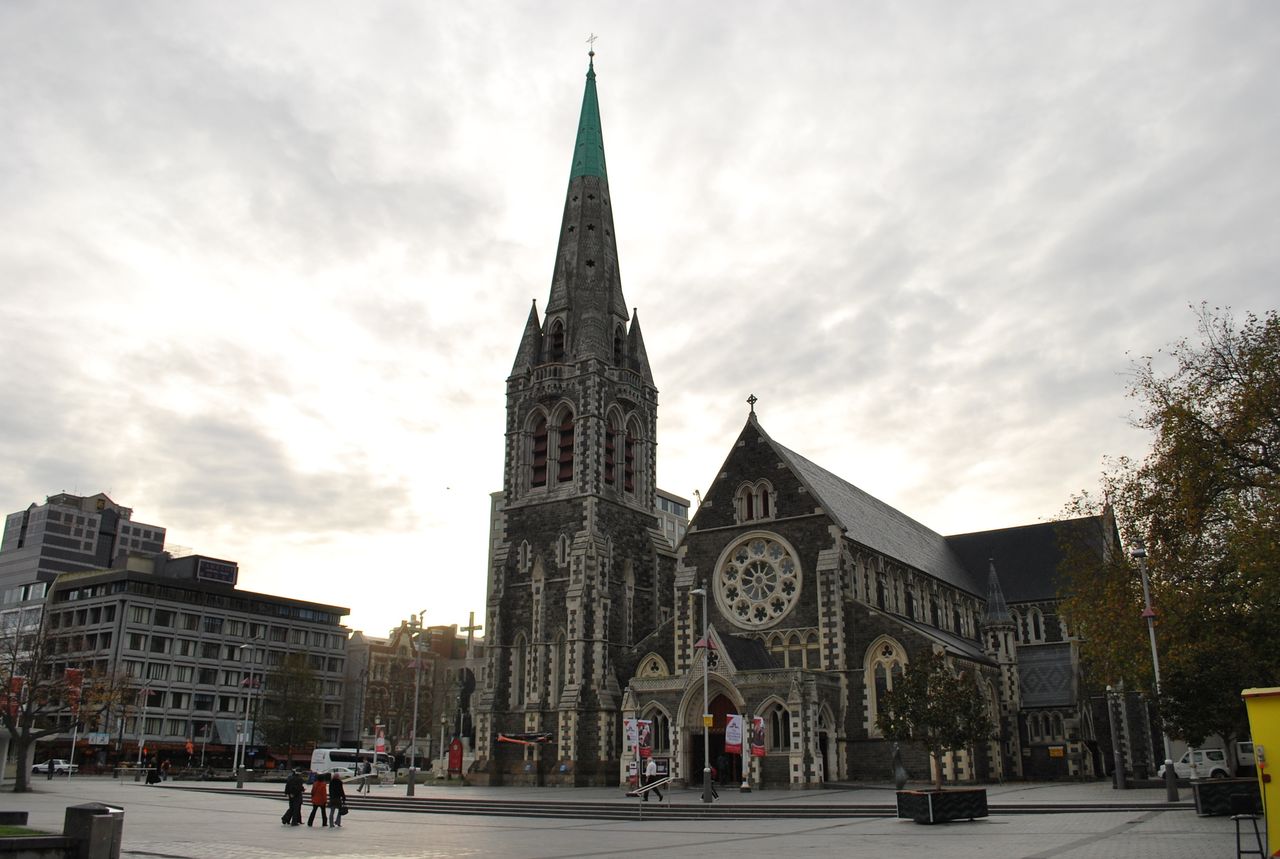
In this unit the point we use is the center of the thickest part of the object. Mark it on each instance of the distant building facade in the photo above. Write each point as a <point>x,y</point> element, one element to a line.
<point>200,650</point>
<point>66,534</point>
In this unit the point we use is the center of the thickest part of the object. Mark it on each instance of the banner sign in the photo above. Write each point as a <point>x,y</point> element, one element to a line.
<point>380,740</point>
<point>644,728</point>
<point>631,732</point>
<point>757,736</point>
<point>733,734</point>
<point>455,755</point>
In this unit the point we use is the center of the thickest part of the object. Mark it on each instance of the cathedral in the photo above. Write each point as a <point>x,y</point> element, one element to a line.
<point>815,595</point>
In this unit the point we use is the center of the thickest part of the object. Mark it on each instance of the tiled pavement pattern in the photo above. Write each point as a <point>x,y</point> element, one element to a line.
<point>220,824</point>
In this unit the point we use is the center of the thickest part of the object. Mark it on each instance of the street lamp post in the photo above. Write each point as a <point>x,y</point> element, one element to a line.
<point>1139,554</point>
<point>417,683</point>
<point>444,764</point>
<point>706,700</point>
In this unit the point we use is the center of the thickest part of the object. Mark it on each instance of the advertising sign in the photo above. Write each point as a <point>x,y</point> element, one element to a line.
<point>733,735</point>
<point>209,570</point>
<point>644,731</point>
<point>757,736</point>
<point>380,740</point>
<point>631,732</point>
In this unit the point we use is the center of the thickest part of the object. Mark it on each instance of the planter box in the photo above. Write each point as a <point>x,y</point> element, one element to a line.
<point>941,806</point>
<point>1213,795</point>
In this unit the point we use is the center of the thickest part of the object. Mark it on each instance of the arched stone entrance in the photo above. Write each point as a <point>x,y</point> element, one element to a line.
<point>724,701</point>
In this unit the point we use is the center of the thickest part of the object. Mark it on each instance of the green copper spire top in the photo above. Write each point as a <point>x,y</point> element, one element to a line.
<point>588,151</point>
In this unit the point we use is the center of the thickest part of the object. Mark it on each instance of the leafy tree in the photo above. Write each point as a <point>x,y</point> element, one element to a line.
<point>36,699</point>
<point>291,706</point>
<point>1205,502</point>
<point>939,708</point>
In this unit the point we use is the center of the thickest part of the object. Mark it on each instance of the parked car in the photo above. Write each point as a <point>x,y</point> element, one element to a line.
<point>1200,763</point>
<point>1245,763</point>
<point>60,767</point>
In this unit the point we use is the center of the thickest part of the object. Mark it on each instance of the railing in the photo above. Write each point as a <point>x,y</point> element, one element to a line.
<point>642,792</point>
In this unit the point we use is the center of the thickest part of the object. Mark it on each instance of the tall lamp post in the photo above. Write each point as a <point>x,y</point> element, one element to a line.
<point>417,685</point>
<point>1139,554</point>
<point>706,700</point>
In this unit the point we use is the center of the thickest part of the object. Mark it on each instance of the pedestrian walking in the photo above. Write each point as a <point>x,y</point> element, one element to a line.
<point>650,776</point>
<point>293,792</point>
<point>363,770</point>
<point>319,799</point>
<point>337,800</point>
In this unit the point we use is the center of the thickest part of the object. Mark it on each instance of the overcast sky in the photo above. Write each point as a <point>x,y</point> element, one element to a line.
<point>265,266</point>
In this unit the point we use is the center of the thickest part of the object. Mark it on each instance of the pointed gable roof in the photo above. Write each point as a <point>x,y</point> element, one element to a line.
<point>530,343</point>
<point>873,523</point>
<point>635,348</point>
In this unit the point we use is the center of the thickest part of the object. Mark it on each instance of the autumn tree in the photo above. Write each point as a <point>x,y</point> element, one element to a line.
<point>38,696</point>
<point>938,707</point>
<point>291,706</point>
<point>1205,504</point>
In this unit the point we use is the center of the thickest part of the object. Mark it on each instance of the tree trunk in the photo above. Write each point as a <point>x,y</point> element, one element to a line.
<point>936,757</point>
<point>22,754</point>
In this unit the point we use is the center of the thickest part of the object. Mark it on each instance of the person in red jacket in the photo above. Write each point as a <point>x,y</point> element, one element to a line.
<point>319,799</point>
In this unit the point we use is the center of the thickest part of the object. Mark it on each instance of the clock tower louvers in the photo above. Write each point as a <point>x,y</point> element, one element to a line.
<point>580,571</point>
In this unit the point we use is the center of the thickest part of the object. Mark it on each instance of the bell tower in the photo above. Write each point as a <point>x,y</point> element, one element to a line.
<point>580,569</point>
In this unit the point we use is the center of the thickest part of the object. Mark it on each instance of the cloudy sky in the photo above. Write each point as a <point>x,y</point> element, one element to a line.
<point>265,265</point>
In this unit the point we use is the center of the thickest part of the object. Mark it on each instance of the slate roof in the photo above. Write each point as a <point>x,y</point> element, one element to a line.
<point>876,525</point>
<point>1027,557</point>
<point>954,644</point>
<point>747,654</point>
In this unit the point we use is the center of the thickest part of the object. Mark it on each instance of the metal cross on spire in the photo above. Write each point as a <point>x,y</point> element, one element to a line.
<point>751,401</point>
<point>591,43</point>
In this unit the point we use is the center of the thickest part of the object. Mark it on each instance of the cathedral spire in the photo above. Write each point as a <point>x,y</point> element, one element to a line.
<point>997,609</point>
<point>635,348</point>
<point>586,301</point>
<point>530,343</point>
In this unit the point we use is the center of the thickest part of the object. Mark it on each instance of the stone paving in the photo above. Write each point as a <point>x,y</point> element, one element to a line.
<point>220,823</point>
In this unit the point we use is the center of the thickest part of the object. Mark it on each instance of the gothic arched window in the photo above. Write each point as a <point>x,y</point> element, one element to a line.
<point>619,346</point>
<point>557,667</point>
<point>812,652</point>
<point>779,722</point>
<point>1036,622</point>
<point>565,445</point>
<point>556,352</point>
<point>538,457</point>
<point>883,668</point>
<point>661,735</point>
<point>629,458</point>
<point>611,450</point>
<point>754,501</point>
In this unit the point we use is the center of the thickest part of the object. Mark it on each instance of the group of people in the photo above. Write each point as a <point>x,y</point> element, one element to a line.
<point>328,796</point>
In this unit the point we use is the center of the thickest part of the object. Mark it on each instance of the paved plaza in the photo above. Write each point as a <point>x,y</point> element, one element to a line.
<point>217,822</point>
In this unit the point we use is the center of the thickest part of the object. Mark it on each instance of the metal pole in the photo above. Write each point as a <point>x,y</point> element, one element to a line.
<point>417,682</point>
<point>1170,776</point>
<point>142,721</point>
<point>706,700</point>
<point>746,753</point>
<point>1117,754</point>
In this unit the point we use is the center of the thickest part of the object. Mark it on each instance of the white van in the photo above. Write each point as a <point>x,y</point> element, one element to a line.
<point>1200,763</point>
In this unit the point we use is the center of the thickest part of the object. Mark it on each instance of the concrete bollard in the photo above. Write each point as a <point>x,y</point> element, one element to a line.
<point>95,830</point>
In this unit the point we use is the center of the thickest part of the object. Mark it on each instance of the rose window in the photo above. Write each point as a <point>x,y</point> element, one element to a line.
<point>758,581</point>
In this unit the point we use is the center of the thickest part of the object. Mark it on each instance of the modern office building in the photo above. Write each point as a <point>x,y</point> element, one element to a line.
<point>66,534</point>
<point>200,650</point>
<point>673,516</point>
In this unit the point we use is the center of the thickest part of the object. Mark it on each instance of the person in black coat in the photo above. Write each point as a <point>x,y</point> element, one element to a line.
<point>293,792</point>
<point>337,800</point>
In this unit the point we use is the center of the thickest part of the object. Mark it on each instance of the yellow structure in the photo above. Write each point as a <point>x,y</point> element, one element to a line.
<point>1264,726</point>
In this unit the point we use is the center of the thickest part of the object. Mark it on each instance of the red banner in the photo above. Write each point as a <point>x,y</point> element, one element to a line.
<point>455,756</point>
<point>733,735</point>
<point>757,736</point>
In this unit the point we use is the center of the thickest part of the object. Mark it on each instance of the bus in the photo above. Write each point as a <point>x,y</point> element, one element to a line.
<point>328,760</point>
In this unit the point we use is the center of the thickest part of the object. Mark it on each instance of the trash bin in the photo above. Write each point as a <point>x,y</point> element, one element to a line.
<point>95,829</point>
